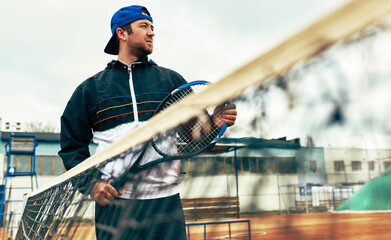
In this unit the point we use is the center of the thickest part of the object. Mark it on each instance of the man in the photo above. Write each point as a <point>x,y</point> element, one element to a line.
<point>110,105</point>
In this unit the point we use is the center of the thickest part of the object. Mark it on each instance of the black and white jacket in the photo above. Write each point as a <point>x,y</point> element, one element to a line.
<point>107,107</point>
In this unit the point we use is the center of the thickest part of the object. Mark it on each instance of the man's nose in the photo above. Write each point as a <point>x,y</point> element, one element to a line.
<point>150,33</point>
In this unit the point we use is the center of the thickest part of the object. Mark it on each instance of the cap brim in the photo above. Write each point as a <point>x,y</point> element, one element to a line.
<point>112,46</point>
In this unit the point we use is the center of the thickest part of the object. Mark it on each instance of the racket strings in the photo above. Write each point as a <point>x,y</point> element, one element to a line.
<point>192,136</point>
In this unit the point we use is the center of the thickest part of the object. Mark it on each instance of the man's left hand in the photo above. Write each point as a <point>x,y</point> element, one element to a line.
<point>225,114</point>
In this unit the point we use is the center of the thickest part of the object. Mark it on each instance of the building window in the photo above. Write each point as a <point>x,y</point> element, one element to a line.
<point>208,165</point>
<point>387,164</point>
<point>339,166</point>
<point>254,165</point>
<point>270,165</point>
<point>205,165</point>
<point>261,165</point>
<point>283,165</point>
<point>22,163</point>
<point>49,165</point>
<point>292,165</point>
<point>371,165</point>
<point>287,165</point>
<point>18,126</point>
<point>44,164</point>
<point>356,166</point>
<point>244,164</point>
<point>276,165</point>
<point>313,166</point>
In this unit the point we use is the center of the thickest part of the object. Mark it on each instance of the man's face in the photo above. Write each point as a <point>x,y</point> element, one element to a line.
<point>140,41</point>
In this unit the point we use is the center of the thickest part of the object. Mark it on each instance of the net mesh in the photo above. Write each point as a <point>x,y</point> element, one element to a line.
<point>58,212</point>
<point>317,96</point>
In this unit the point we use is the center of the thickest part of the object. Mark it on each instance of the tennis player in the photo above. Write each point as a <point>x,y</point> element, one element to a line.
<point>107,107</point>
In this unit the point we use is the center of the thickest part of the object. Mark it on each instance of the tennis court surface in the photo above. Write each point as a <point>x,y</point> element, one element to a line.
<point>323,226</point>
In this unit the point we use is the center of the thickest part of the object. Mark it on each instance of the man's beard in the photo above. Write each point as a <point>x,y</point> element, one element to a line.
<point>138,49</point>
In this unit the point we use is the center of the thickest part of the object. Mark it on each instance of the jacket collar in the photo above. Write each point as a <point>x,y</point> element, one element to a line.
<point>142,61</point>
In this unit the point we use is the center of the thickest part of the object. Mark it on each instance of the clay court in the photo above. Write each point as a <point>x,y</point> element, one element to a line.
<point>325,226</point>
<point>322,226</point>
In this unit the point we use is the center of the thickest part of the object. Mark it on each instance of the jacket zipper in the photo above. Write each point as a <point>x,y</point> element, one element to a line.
<point>133,94</point>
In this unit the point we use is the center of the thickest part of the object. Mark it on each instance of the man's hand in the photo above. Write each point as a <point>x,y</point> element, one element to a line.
<point>225,114</point>
<point>102,193</point>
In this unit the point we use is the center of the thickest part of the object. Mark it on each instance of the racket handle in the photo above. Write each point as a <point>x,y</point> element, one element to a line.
<point>120,181</point>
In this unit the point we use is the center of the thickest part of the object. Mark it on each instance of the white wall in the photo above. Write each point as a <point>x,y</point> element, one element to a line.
<point>208,186</point>
<point>379,156</point>
<point>3,166</point>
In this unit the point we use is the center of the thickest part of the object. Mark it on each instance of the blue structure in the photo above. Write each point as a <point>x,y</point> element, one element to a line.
<point>21,145</point>
<point>47,161</point>
<point>49,143</point>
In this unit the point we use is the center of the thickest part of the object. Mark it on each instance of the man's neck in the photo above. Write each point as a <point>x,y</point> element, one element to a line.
<point>127,59</point>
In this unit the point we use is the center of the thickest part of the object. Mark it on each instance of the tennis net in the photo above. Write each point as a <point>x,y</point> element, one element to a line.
<point>63,208</point>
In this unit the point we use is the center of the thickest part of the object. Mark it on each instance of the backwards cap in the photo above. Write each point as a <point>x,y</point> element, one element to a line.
<point>122,17</point>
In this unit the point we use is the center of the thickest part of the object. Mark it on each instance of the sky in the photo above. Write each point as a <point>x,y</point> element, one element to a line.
<point>48,47</point>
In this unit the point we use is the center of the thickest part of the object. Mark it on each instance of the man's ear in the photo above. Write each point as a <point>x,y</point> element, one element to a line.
<point>122,34</point>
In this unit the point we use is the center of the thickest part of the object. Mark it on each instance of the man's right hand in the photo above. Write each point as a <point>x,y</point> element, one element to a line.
<point>103,192</point>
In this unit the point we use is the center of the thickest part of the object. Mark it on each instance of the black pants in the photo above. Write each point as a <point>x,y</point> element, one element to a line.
<point>152,219</point>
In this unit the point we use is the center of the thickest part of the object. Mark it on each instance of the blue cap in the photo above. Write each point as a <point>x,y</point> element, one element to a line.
<point>122,17</point>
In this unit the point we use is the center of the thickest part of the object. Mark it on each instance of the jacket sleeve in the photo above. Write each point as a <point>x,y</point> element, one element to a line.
<point>76,131</point>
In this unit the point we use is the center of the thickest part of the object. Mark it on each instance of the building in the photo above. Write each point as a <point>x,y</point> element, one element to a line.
<point>355,165</point>
<point>10,126</point>
<point>267,175</point>
<point>48,164</point>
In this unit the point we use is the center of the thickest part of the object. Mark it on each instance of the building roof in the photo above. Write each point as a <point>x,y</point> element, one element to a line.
<point>229,144</point>
<point>261,142</point>
<point>41,137</point>
<point>223,145</point>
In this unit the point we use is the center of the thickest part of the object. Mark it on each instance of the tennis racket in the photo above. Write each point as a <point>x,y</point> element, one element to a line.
<point>184,141</point>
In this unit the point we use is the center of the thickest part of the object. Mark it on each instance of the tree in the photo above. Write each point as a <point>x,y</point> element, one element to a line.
<point>47,127</point>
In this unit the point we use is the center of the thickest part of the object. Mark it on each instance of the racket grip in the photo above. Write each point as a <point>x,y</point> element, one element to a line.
<point>120,181</point>
<point>117,184</point>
